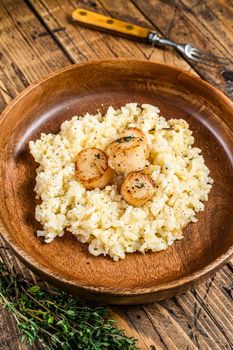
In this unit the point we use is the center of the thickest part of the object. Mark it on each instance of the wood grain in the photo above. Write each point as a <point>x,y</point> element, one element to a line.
<point>24,59</point>
<point>190,22</point>
<point>82,43</point>
<point>185,309</point>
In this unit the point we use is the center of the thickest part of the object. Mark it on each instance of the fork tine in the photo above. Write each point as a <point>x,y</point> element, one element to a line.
<point>210,63</point>
<point>196,59</point>
<point>205,52</point>
<point>203,58</point>
<point>213,59</point>
<point>200,58</point>
<point>208,56</point>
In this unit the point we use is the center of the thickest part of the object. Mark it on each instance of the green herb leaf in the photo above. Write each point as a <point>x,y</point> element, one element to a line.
<point>34,289</point>
<point>50,320</point>
<point>125,139</point>
<point>57,320</point>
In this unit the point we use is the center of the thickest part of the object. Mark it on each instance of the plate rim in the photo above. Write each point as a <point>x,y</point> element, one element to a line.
<point>163,287</point>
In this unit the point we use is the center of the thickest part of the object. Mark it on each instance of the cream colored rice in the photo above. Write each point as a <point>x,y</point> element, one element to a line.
<point>101,218</point>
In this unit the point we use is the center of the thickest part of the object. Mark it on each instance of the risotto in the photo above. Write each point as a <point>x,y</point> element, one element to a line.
<point>101,217</point>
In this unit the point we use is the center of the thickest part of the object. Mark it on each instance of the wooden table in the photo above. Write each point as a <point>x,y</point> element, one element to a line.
<point>38,37</point>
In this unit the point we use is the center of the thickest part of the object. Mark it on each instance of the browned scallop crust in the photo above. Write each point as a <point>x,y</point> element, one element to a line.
<point>138,133</point>
<point>92,168</point>
<point>129,152</point>
<point>137,188</point>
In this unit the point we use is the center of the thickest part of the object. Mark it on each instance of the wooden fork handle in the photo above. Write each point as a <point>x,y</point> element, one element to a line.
<point>96,20</point>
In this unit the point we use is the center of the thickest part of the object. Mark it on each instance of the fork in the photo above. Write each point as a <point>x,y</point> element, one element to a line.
<point>187,50</point>
<point>115,26</point>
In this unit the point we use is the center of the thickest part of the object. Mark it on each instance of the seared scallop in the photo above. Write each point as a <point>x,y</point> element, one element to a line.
<point>137,188</point>
<point>92,168</point>
<point>138,133</point>
<point>129,152</point>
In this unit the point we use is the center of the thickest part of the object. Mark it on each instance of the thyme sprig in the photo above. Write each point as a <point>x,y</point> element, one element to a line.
<point>57,320</point>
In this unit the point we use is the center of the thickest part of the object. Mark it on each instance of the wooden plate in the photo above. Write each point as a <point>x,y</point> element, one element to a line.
<point>95,85</point>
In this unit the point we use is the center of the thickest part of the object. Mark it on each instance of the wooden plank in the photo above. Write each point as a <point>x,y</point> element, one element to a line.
<point>80,44</point>
<point>9,338</point>
<point>155,328</point>
<point>215,17</point>
<point>179,21</point>
<point>202,329</point>
<point>80,41</point>
<point>199,312</point>
<point>21,62</point>
<point>22,58</point>
<point>217,304</point>
<point>144,325</point>
<point>9,334</point>
<point>186,319</point>
<point>132,328</point>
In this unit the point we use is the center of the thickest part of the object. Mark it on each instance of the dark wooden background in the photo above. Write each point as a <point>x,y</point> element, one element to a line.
<point>38,37</point>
